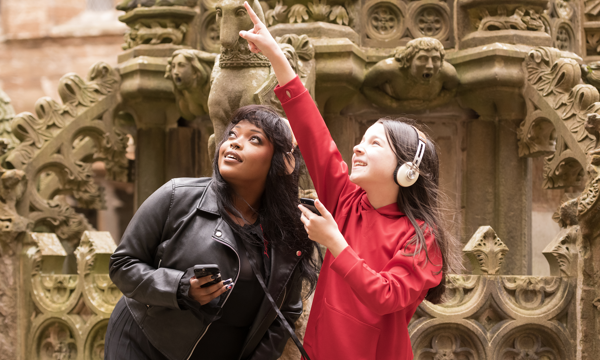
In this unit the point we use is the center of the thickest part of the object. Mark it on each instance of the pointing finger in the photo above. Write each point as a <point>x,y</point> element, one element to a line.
<point>252,14</point>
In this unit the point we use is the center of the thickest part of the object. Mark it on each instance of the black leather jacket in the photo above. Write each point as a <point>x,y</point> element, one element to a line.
<point>176,228</point>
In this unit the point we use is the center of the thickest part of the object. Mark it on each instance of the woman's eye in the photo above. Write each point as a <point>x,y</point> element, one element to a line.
<point>256,139</point>
<point>231,134</point>
<point>376,143</point>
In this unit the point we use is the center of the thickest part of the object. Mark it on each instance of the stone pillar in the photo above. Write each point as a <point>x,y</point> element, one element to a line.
<point>149,163</point>
<point>480,182</point>
<point>513,198</point>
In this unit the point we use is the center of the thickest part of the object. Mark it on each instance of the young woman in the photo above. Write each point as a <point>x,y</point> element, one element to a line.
<point>246,212</point>
<point>389,249</point>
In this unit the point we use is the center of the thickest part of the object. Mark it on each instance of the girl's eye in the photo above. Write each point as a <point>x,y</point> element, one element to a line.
<point>376,143</point>
<point>256,139</point>
<point>231,134</point>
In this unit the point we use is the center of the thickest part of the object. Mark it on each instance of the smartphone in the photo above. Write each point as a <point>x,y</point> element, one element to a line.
<point>310,205</point>
<point>205,270</point>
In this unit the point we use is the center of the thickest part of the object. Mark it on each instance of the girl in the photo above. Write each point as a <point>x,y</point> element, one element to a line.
<point>389,249</point>
<point>249,204</point>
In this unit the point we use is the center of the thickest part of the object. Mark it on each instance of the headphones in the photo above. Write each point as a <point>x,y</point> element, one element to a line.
<point>288,157</point>
<point>407,174</point>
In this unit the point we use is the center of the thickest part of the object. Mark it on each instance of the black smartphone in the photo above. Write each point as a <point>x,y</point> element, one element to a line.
<point>310,205</point>
<point>205,270</point>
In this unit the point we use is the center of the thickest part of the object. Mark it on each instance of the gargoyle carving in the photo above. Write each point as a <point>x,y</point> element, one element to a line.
<point>416,78</point>
<point>190,72</point>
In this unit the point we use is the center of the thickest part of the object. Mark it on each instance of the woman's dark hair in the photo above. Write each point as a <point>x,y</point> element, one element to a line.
<point>278,214</point>
<point>422,200</point>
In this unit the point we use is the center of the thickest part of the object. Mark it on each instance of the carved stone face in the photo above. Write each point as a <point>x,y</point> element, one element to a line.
<point>426,65</point>
<point>183,74</point>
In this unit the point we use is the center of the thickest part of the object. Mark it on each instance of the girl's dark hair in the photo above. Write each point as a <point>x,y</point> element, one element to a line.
<point>422,200</point>
<point>278,214</point>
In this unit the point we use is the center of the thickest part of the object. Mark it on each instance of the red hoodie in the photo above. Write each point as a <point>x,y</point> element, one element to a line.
<point>366,296</point>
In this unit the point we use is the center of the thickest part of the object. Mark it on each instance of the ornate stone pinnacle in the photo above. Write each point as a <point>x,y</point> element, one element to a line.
<point>485,251</point>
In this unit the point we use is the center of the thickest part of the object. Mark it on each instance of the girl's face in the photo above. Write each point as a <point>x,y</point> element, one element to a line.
<point>373,162</point>
<point>245,157</point>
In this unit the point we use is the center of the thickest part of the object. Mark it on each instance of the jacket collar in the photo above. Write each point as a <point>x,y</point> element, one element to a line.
<point>208,202</point>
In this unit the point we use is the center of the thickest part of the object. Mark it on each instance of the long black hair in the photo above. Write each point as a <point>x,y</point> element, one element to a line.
<point>278,214</point>
<point>423,199</point>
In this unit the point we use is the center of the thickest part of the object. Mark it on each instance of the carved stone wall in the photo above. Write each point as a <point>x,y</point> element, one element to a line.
<point>67,314</point>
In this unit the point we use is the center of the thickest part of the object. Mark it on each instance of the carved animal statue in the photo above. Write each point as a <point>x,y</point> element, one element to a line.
<point>238,73</point>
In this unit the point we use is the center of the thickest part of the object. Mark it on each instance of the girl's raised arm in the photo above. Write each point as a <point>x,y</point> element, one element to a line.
<point>260,40</point>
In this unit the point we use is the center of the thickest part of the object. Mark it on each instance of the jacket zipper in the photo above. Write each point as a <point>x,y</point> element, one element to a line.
<point>227,297</point>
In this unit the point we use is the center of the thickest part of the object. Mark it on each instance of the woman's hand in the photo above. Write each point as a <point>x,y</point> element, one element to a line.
<point>323,229</point>
<point>260,40</point>
<point>205,295</point>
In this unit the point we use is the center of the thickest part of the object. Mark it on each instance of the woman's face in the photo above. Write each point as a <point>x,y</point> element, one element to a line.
<point>245,157</point>
<point>373,161</point>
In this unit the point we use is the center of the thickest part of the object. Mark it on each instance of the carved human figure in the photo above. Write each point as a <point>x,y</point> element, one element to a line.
<point>190,72</point>
<point>416,78</point>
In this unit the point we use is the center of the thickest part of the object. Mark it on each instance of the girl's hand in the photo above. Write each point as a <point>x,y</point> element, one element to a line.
<point>205,295</point>
<point>323,229</point>
<point>259,38</point>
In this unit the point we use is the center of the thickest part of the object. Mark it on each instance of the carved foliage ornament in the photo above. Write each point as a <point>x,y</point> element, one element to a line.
<point>531,292</point>
<point>458,288</point>
<point>56,148</point>
<point>57,343</point>
<point>520,18</point>
<point>529,346</point>
<point>448,346</point>
<point>317,10</point>
<point>486,251</point>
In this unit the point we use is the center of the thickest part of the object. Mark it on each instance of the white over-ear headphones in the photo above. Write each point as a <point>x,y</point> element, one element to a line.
<point>407,174</point>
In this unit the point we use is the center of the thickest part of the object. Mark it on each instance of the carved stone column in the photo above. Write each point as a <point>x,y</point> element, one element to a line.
<point>497,185</point>
<point>156,32</point>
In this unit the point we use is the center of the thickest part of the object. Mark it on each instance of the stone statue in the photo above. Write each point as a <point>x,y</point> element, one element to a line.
<point>238,73</point>
<point>416,78</point>
<point>190,72</point>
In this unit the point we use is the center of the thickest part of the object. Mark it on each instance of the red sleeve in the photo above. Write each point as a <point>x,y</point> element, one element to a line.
<point>327,170</point>
<point>399,284</point>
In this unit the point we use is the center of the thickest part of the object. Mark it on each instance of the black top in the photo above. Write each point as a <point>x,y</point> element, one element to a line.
<point>225,337</point>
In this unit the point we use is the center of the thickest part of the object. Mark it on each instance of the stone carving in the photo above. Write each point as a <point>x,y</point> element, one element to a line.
<point>530,292</point>
<point>52,291</point>
<point>490,316</point>
<point>589,196</point>
<point>592,7</point>
<point>485,251</point>
<point>93,255</point>
<point>242,75</point>
<point>592,43</point>
<point>596,303</point>
<point>563,9</point>
<point>561,252</point>
<point>7,113</point>
<point>190,72</point>
<point>95,345</point>
<point>385,21</point>
<point>318,10</point>
<point>417,78</point>
<point>521,19</point>
<point>564,37</point>
<point>57,343</point>
<point>458,287</point>
<point>554,82</point>
<point>529,346</point>
<point>447,346</point>
<point>126,5</point>
<point>209,36</point>
<point>430,20</point>
<point>161,24</point>
<point>55,150</point>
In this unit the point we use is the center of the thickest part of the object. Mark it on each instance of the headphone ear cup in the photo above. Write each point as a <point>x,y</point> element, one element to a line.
<point>290,163</point>
<point>406,176</point>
